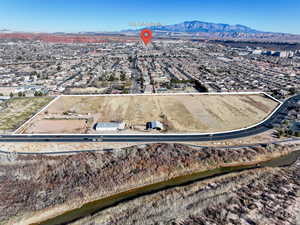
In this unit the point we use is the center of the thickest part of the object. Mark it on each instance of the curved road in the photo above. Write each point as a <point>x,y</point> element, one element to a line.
<point>276,118</point>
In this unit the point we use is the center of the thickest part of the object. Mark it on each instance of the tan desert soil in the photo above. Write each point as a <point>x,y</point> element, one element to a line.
<point>57,126</point>
<point>59,147</point>
<point>179,113</point>
<point>39,185</point>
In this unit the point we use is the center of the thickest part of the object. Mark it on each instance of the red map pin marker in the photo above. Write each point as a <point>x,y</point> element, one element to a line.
<point>146,36</point>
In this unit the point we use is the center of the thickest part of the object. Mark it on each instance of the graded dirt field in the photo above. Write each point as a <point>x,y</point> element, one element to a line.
<point>179,113</point>
<point>59,126</point>
<point>16,111</point>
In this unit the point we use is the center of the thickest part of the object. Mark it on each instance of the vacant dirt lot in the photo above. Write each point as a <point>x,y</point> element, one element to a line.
<point>16,111</point>
<point>179,113</point>
<point>58,126</point>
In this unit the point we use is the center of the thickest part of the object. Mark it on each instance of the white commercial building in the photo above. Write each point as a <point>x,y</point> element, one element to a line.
<point>110,126</point>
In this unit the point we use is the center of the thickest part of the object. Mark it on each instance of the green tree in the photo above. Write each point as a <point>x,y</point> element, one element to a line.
<point>38,93</point>
<point>20,94</point>
<point>11,95</point>
<point>111,77</point>
<point>292,91</point>
<point>123,77</point>
<point>280,132</point>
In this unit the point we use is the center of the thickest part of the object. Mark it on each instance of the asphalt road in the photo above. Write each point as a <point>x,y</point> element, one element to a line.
<point>274,120</point>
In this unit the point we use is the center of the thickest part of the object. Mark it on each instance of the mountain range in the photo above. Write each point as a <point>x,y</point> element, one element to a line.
<point>199,29</point>
<point>199,26</point>
<point>188,29</point>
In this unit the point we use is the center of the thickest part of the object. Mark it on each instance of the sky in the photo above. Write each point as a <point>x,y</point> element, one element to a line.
<point>115,15</point>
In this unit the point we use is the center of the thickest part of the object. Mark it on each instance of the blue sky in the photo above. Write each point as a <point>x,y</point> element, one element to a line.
<point>114,15</point>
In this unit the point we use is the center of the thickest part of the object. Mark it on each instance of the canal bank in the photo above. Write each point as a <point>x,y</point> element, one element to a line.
<point>98,205</point>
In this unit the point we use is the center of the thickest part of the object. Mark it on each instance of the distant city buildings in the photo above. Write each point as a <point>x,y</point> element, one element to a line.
<point>128,67</point>
<point>282,54</point>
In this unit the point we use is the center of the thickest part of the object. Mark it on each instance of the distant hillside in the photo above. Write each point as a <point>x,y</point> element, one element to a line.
<point>198,26</point>
<point>189,29</point>
<point>219,31</point>
<point>65,38</point>
<point>4,31</point>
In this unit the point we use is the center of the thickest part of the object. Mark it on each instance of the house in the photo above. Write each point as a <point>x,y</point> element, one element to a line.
<point>109,126</point>
<point>154,125</point>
